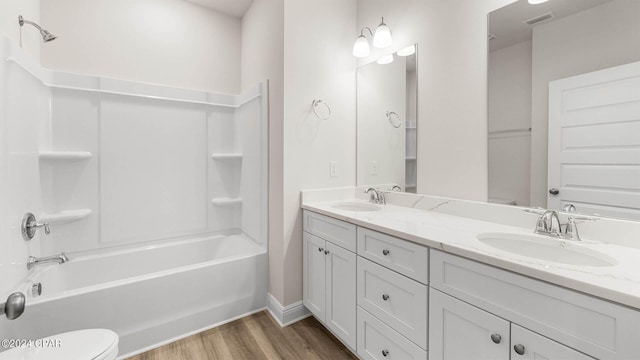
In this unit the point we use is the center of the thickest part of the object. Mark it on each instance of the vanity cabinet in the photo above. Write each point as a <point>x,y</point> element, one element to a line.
<point>394,299</point>
<point>329,271</point>
<point>546,319</point>
<point>460,331</point>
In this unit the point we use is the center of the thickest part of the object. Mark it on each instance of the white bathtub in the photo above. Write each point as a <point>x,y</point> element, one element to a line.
<point>149,296</point>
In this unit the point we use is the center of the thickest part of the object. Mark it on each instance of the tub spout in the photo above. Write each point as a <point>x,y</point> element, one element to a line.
<point>34,261</point>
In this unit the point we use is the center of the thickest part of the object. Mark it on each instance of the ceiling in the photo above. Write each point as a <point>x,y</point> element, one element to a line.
<point>507,23</point>
<point>235,8</point>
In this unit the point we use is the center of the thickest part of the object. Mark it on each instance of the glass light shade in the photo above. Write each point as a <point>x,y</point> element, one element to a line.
<point>410,50</point>
<point>534,2</point>
<point>361,47</point>
<point>388,59</point>
<point>382,37</point>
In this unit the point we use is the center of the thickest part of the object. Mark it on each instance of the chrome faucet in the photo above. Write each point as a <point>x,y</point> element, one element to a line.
<point>571,229</point>
<point>34,261</point>
<point>376,196</point>
<point>545,224</point>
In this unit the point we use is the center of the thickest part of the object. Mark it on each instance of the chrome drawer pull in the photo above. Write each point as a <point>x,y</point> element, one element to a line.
<point>496,338</point>
<point>519,349</point>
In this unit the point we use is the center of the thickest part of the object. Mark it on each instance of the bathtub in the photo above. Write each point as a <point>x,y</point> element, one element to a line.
<point>150,296</point>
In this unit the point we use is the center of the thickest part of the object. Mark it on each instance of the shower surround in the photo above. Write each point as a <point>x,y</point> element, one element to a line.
<point>118,169</point>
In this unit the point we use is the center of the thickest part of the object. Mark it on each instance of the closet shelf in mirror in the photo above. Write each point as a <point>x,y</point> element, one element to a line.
<point>226,156</point>
<point>65,155</point>
<point>66,216</point>
<point>225,201</point>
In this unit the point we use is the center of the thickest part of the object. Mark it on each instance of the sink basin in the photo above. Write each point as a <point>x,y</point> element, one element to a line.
<point>356,206</point>
<point>547,249</point>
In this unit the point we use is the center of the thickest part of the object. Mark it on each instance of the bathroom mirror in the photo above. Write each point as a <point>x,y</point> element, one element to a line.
<point>563,103</point>
<point>387,121</point>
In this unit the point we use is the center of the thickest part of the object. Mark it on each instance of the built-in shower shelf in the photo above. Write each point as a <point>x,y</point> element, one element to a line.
<point>65,155</point>
<point>225,201</point>
<point>227,156</point>
<point>64,217</point>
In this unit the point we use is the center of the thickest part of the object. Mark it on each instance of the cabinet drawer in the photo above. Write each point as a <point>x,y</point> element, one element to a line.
<point>338,232</point>
<point>395,299</point>
<point>593,326</point>
<point>375,339</point>
<point>405,257</point>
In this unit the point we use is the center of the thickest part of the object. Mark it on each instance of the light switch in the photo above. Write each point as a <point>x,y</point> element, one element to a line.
<point>373,168</point>
<point>333,169</point>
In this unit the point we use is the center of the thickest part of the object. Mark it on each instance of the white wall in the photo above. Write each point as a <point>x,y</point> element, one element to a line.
<point>318,65</point>
<point>598,38</point>
<point>452,82</point>
<point>167,42</point>
<point>381,88</point>
<point>30,9</point>
<point>263,58</point>
<point>510,109</point>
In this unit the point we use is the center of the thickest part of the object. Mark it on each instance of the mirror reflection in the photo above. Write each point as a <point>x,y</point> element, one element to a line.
<point>564,106</point>
<point>387,122</point>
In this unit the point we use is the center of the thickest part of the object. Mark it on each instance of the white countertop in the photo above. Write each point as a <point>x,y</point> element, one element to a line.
<point>457,235</point>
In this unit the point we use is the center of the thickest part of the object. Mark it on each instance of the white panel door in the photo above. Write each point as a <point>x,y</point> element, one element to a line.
<point>314,274</point>
<point>340,314</point>
<point>594,142</point>
<point>527,345</point>
<point>459,331</point>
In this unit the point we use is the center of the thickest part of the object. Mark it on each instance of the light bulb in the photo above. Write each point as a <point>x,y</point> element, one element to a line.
<point>382,37</point>
<point>410,50</point>
<point>387,59</point>
<point>361,47</point>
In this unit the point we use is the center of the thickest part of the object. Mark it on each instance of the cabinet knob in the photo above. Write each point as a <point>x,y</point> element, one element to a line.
<point>496,338</point>
<point>519,349</point>
<point>554,191</point>
<point>320,249</point>
<point>326,252</point>
<point>385,297</point>
<point>385,252</point>
<point>385,352</point>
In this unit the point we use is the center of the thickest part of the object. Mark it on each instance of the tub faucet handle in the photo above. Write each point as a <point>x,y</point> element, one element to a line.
<point>30,225</point>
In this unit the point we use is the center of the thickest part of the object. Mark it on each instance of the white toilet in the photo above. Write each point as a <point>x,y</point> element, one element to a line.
<point>90,344</point>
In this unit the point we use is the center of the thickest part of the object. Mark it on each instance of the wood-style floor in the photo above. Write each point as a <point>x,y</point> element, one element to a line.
<point>255,337</point>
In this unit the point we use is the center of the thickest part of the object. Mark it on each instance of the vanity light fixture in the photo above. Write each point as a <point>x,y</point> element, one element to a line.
<point>387,59</point>
<point>410,50</point>
<point>381,39</point>
<point>535,2</point>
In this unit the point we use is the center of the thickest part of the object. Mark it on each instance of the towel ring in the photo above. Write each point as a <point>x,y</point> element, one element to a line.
<point>394,120</point>
<point>314,106</point>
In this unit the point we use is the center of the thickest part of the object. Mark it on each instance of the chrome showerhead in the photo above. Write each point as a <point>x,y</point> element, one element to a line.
<point>46,36</point>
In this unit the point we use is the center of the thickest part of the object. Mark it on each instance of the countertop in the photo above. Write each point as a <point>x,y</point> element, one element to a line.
<point>457,235</point>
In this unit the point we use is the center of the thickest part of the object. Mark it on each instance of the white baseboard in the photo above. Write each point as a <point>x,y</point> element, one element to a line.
<point>286,315</point>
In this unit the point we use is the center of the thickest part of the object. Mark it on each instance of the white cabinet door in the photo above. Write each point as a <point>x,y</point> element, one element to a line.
<point>314,275</point>
<point>528,345</point>
<point>459,331</point>
<point>340,314</point>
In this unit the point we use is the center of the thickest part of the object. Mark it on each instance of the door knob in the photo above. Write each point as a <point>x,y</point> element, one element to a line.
<point>554,191</point>
<point>14,306</point>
